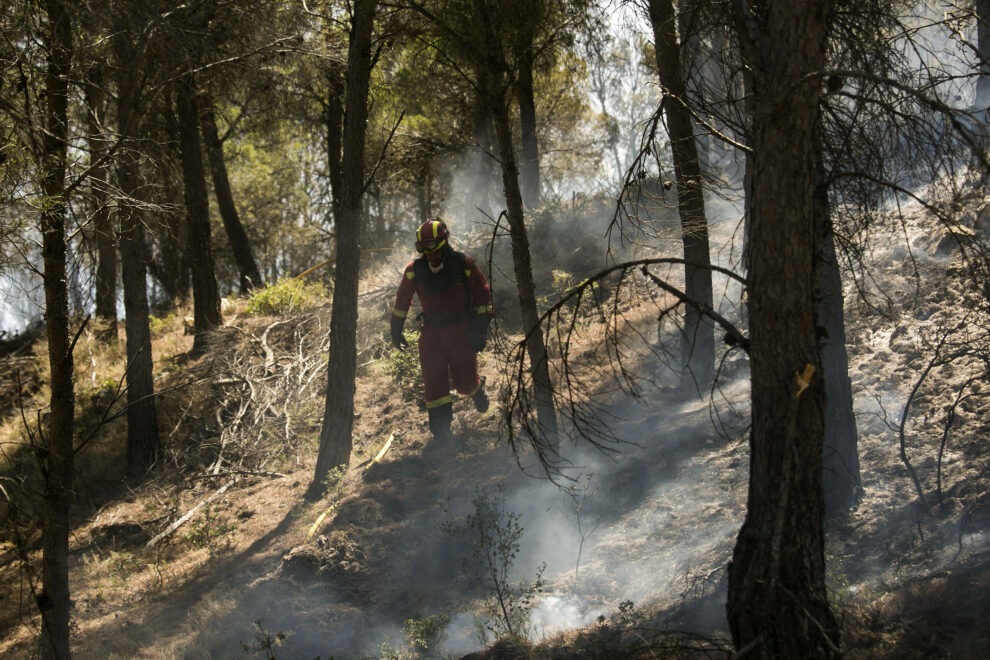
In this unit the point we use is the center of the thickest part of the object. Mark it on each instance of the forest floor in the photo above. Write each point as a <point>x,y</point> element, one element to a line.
<point>635,540</point>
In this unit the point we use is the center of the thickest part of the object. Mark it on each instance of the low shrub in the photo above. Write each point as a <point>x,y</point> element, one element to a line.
<point>286,296</point>
<point>427,635</point>
<point>403,367</point>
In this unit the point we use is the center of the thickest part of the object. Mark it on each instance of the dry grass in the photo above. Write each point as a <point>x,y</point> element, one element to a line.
<point>252,410</point>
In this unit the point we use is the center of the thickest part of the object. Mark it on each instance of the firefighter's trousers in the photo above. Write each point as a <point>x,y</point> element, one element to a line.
<point>446,358</point>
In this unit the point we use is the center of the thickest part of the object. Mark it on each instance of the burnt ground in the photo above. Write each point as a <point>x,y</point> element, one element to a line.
<point>651,523</point>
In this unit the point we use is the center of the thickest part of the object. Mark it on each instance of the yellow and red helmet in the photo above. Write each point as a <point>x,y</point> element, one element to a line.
<point>431,236</point>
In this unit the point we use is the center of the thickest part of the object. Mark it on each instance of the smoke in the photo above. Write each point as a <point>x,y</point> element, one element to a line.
<point>555,613</point>
<point>22,301</point>
<point>638,526</point>
<point>641,526</point>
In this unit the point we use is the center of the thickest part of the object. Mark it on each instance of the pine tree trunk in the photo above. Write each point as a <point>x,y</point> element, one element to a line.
<point>530,159</point>
<point>239,243</point>
<point>338,417</point>
<point>206,295</point>
<point>174,272</point>
<point>106,250</point>
<point>54,598</point>
<point>335,136</point>
<point>142,419</point>
<point>495,96</point>
<point>983,48</point>
<point>173,269</point>
<point>481,195</point>
<point>841,458</point>
<point>698,340</point>
<point>777,601</point>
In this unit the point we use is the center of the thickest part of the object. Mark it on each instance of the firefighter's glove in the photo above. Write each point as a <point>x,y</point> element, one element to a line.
<point>398,339</point>
<point>479,332</point>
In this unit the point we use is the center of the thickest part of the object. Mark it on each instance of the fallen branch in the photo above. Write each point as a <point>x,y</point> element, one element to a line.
<point>269,354</point>
<point>181,521</point>
<point>240,472</point>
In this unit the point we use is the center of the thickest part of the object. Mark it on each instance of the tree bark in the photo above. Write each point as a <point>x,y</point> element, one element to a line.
<point>983,48</point>
<point>841,458</point>
<point>530,159</point>
<point>481,195</point>
<point>777,601</point>
<point>698,339</point>
<point>57,457</point>
<point>174,272</point>
<point>106,250</point>
<point>338,418</point>
<point>496,71</point>
<point>206,295</point>
<point>142,418</point>
<point>335,136</point>
<point>239,243</point>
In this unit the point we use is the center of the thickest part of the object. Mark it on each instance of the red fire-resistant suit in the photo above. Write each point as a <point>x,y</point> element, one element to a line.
<point>449,297</point>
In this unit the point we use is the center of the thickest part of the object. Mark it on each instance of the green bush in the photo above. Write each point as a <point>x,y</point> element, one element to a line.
<point>210,532</point>
<point>403,367</point>
<point>158,325</point>
<point>285,296</point>
<point>425,636</point>
<point>333,483</point>
<point>494,534</point>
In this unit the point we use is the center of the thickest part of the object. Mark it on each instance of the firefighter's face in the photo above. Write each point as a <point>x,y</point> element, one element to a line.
<point>435,258</point>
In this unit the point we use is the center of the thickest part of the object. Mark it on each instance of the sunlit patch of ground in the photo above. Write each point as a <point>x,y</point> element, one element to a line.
<point>653,522</point>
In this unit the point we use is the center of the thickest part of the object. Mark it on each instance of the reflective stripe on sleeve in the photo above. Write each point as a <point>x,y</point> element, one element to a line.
<point>484,309</point>
<point>410,274</point>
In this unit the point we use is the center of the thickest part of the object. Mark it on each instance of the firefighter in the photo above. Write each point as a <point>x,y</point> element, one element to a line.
<point>457,310</point>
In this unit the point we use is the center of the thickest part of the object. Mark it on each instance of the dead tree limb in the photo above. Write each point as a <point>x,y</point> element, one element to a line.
<point>181,521</point>
<point>733,336</point>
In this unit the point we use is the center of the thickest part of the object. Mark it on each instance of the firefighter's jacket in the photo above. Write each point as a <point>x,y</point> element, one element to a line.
<point>450,298</point>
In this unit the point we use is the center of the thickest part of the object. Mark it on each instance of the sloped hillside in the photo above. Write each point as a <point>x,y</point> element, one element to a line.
<point>635,540</point>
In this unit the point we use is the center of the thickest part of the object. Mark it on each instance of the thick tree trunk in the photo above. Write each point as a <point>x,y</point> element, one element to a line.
<point>106,249</point>
<point>142,418</point>
<point>338,417</point>
<point>335,136</point>
<point>698,341</point>
<point>777,601</point>
<point>173,271</point>
<point>530,159</point>
<point>424,190</point>
<point>841,458</point>
<point>54,597</point>
<point>495,96</point>
<point>983,47</point>
<point>206,295</point>
<point>239,243</point>
<point>481,196</point>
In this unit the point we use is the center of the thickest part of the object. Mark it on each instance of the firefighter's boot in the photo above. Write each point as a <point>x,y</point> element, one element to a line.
<point>440,419</point>
<point>480,397</point>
